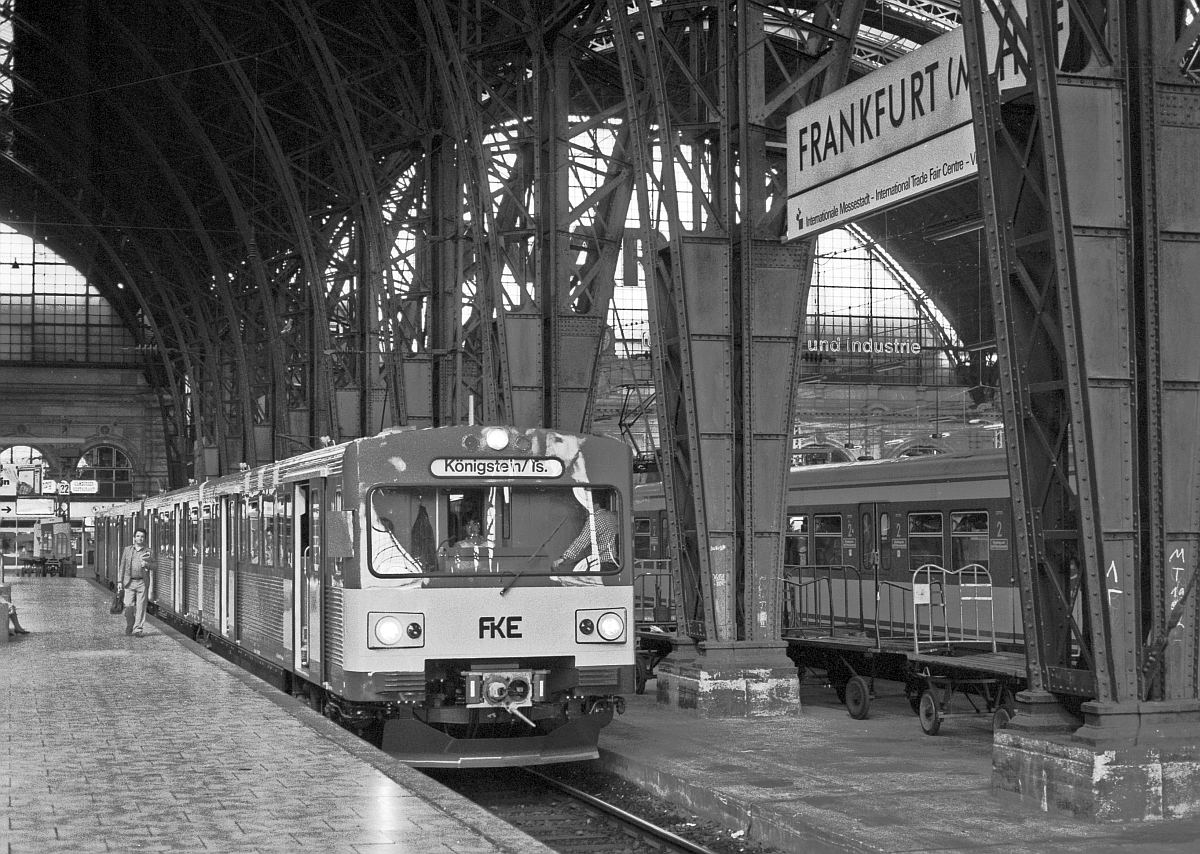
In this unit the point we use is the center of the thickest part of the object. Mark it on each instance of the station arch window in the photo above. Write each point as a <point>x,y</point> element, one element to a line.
<point>111,470</point>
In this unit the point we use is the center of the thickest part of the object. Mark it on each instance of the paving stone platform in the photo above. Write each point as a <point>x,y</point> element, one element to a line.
<point>821,781</point>
<point>115,743</point>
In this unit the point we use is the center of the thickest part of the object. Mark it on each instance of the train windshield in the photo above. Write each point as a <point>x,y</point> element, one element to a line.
<point>532,530</point>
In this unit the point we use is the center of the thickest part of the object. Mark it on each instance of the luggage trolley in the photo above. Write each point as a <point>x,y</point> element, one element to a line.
<point>944,650</point>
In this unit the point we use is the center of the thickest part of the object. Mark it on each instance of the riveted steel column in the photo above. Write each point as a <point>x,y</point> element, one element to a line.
<point>1165,87</point>
<point>1093,252</point>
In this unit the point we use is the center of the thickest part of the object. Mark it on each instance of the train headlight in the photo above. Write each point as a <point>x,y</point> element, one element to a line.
<point>601,625</point>
<point>388,631</point>
<point>395,630</point>
<point>611,626</point>
<point>496,438</point>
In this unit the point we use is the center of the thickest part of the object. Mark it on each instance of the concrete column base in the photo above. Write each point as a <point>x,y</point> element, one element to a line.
<point>1128,762</point>
<point>741,679</point>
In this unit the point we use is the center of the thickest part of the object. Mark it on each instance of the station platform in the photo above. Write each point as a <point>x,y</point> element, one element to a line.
<point>114,743</point>
<point>821,781</point>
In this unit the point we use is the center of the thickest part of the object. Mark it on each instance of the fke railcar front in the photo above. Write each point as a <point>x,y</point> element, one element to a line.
<point>412,584</point>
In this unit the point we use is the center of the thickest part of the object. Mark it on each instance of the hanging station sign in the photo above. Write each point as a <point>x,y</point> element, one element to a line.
<point>900,132</point>
<point>897,133</point>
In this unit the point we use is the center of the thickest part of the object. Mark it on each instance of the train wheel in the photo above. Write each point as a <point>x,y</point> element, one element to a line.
<point>639,684</point>
<point>929,714</point>
<point>858,698</point>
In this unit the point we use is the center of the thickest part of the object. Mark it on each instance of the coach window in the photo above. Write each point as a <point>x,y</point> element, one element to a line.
<point>209,531</point>
<point>284,528</point>
<point>254,515</point>
<point>165,534</point>
<point>795,543</point>
<point>969,539</point>
<point>193,531</point>
<point>827,540</point>
<point>268,523</point>
<point>241,537</point>
<point>925,540</point>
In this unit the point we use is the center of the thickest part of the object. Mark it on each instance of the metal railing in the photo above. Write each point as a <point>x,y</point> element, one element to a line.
<point>811,595</point>
<point>938,608</point>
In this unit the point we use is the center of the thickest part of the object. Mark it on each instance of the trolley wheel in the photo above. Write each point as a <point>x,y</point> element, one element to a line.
<point>858,698</point>
<point>639,685</point>
<point>929,714</point>
<point>1006,708</point>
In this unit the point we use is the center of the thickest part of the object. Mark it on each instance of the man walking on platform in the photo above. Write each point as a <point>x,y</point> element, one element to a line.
<point>135,567</point>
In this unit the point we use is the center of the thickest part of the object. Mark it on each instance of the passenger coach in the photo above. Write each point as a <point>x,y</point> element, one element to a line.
<point>405,584</point>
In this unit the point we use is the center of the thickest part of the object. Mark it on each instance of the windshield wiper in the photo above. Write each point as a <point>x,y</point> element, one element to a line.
<point>521,571</point>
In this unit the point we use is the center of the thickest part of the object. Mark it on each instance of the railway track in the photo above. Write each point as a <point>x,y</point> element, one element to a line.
<point>573,821</point>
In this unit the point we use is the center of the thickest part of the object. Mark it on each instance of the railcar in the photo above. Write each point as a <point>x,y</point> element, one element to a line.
<point>899,569</point>
<point>406,584</point>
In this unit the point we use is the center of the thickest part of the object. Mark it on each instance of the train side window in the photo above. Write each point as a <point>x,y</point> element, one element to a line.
<point>191,532</point>
<point>268,519</point>
<point>240,522</point>
<point>827,540</point>
<point>284,528</point>
<point>166,534</point>
<point>925,540</point>
<point>795,543</point>
<point>255,518</point>
<point>208,531</point>
<point>969,541</point>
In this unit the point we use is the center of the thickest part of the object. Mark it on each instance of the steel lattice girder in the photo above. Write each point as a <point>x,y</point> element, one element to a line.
<point>1091,304</point>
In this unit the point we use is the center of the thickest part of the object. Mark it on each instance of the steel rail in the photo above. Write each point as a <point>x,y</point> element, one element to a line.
<point>618,813</point>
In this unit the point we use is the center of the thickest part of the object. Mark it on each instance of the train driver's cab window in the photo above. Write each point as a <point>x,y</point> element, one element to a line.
<point>969,541</point>
<point>795,543</point>
<point>925,540</point>
<point>827,540</point>
<point>417,530</point>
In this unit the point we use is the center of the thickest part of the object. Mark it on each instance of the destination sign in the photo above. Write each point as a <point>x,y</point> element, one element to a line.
<point>507,467</point>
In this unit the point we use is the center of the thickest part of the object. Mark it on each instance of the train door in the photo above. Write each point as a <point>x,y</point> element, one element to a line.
<point>183,521</point>
<point>868,519</point>
<point>307,562</point>
<point>224,559</point>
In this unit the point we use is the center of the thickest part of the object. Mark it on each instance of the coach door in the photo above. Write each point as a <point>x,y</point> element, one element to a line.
<point>229,547</point>
<point>308,580</point>
<point>868,526</point>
